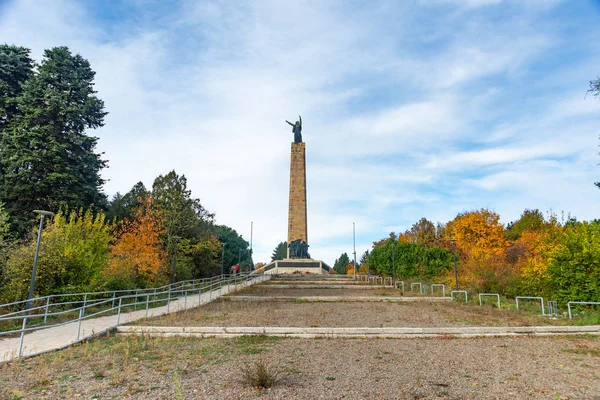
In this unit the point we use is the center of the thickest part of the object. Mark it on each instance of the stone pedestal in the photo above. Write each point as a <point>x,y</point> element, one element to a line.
<point>297,225</point>
<point>297,266</point>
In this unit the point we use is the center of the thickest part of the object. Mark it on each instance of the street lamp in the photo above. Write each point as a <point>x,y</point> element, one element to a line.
<point>175,239</point>
<point>354,245</point>
<point>455,270</point>
<point>223,257</point>
<point>37,250</point>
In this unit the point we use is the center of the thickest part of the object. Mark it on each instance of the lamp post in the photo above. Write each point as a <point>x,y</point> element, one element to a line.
<point>37,250</point>
<point>354,245</point>
<point>175,239</point>
<point>393,264</point>
<point>223,258</point>
<point>368,267</point>
<point>455,270</point>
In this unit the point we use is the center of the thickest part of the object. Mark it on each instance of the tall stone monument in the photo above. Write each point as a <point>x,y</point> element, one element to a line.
<point>297,225</point>
<point>298,259</point>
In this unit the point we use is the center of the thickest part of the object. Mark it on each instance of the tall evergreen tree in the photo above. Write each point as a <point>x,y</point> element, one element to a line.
<point>125,206</point>
<point>237,249</point>
<point>46,159</point>
<point>280,251</point>
<point>185,217</point>
<point>340,264</point>
<point>16,67</point>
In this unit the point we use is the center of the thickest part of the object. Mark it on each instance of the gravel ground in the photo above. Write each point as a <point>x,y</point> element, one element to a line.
<point>316,314</point>
<point>154,368</point>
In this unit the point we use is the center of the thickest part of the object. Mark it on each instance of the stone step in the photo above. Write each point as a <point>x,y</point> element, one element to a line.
<point>359,332</point>
<point>389,299</point>
<point>315,282</point>
<point>328,286</point>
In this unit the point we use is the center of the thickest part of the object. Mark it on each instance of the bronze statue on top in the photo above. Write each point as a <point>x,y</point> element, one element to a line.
<point>297,129</point>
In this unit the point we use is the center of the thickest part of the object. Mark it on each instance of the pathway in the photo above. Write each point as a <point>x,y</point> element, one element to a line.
<point>59,337</point>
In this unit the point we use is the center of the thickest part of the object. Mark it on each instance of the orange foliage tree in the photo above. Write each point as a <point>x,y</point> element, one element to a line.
<point>481,241</point>
<point>538,245</point>
<point>138,256</point>
<point>350,268</point>
<point>478,233</point>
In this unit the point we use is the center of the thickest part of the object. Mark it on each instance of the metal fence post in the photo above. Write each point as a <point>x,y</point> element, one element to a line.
<point>119,312</point>
<point>81,315</point>
<point>25,325</point>
<point>46,311</point>
<point>147,304</point>
<point>79,323</point>
<point>169,302</point>
<point>135,302</point>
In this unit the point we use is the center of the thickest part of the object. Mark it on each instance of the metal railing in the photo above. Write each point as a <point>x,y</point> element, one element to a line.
<point>530,298</point>
<point>62,309</point>
<point>582,303</point>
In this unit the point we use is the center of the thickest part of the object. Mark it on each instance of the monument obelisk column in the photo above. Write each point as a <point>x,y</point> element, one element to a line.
<point>297,226</point>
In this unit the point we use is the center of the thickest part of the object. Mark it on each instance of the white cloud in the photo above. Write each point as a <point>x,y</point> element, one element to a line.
<point>399,113</point>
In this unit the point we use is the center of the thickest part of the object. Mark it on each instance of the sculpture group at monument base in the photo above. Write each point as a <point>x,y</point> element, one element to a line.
<point>297,266</point>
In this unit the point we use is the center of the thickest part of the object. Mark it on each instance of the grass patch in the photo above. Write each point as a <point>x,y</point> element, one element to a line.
<point>260,375</point>
<point>589,352</point>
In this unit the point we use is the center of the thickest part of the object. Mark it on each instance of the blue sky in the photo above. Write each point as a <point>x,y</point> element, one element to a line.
<point>411,109</point>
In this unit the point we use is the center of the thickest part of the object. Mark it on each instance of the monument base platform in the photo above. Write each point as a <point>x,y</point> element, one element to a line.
<point>297,266</point>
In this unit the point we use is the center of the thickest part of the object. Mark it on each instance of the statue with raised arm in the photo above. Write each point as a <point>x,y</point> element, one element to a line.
<point>297,129</point>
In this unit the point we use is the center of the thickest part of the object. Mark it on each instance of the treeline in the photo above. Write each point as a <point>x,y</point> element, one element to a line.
<point>535,255</point>
<point>49,162</point>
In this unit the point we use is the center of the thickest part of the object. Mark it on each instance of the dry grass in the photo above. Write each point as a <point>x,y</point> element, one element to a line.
<point>113,366</point>
<point>189,368</point>
<point>260,375</point>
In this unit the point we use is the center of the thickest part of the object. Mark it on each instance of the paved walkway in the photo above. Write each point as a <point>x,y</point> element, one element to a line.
<point>59,337</point>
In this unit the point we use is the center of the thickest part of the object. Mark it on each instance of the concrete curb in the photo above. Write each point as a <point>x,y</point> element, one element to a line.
<point>322,286</point>
<point>336,298</point>
<point>400,333</point>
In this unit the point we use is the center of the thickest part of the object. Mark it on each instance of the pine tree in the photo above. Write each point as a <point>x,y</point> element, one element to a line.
<point>340,264</point>
<point>16,67</point>
<point>46,159</point>
<point>280,252</point>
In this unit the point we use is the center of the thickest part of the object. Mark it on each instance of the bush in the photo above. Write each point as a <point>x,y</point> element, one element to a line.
<point>73,252</point>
